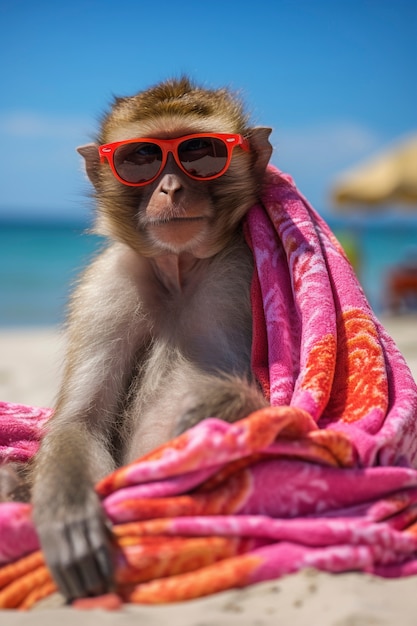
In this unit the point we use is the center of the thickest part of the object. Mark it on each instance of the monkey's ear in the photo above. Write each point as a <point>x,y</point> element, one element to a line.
<point>261,147</point>
<point>92,161</point>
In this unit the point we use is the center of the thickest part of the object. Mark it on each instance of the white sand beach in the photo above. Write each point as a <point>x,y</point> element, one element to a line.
<point>30,359</point>
<point>29,374</point>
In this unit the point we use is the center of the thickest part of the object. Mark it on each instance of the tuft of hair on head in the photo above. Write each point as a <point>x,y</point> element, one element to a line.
<point>178,97</point>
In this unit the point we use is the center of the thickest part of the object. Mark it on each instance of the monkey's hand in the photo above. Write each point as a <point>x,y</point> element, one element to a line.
<point>75,540</point>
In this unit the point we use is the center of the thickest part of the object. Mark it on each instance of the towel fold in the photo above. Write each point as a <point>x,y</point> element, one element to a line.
<point>325,477</point>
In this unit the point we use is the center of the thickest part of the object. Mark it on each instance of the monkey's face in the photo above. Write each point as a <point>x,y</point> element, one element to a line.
<point>175,212</point>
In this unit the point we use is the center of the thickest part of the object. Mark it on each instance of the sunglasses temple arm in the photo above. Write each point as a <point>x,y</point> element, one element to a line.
<point>244,144</point>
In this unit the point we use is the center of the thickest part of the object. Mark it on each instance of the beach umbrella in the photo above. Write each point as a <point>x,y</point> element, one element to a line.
<point>388,178</point>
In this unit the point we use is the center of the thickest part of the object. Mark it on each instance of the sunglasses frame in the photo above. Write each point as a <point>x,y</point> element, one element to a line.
<point>170,146</point>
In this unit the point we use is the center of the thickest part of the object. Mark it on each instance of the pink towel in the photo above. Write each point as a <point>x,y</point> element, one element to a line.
<point>325,477</point>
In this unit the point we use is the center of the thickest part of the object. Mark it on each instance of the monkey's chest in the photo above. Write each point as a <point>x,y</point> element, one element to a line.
<point>213,331</point>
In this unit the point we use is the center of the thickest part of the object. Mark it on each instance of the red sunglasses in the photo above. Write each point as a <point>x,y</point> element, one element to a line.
<point>202,156</point>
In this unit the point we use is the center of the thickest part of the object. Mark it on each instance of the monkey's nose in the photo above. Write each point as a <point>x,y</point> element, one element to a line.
<point>170,181</point>
<point>170,185</point>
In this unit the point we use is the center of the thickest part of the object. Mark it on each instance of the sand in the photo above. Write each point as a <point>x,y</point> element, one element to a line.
<point>30,359</point>
<point>309,598</point>
<point>30,370</point>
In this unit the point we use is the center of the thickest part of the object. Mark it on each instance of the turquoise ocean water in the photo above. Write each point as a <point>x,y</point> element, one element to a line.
<point>40,261</point>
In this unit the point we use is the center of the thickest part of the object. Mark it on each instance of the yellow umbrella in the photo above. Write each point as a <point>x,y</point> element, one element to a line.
<point>390,177</point>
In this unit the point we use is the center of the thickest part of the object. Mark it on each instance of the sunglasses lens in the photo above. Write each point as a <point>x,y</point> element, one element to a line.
<point>137,162</point>
<point>203,156</point>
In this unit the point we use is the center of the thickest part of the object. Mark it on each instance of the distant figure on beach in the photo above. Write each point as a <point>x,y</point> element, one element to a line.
<point>402,284</point>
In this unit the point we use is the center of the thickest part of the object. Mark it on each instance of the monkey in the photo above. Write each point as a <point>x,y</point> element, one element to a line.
<point>15,481</point>
<point>160,324</point>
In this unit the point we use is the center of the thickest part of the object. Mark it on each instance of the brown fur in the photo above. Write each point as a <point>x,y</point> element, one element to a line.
<point>159,330</point>
<point>177,98</point>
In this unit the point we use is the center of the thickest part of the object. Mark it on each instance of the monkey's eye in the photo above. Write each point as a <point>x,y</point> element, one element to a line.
<point>147,150</point>
<point>137,162</point>
<point>139,152</point>
<point>203,157</point>
<point>195,148</point>
<point>195,144</point>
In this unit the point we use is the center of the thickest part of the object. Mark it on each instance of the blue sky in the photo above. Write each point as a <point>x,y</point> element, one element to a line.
<point>337,81</point>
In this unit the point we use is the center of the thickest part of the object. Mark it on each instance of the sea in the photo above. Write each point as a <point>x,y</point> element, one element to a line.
<point>41,260</point>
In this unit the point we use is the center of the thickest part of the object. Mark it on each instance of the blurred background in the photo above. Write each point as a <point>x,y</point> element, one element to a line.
<point>336,80</point>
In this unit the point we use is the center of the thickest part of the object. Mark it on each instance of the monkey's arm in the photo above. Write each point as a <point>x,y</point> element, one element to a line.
<point>104,332</point>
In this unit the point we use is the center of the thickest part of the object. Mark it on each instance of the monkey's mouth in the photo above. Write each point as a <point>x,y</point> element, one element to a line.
<point>177,232</point>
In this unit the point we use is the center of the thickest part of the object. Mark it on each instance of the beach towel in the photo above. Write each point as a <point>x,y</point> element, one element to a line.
<point>324,477</point>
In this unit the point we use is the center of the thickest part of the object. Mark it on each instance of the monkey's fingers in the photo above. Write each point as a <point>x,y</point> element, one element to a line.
<point>90,570</point>
<point>101,567</point>
<point>57,550</point>
<point>79,558</point>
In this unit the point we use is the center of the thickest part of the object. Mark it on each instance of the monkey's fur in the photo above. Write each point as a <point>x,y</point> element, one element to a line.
<point>159,327</point>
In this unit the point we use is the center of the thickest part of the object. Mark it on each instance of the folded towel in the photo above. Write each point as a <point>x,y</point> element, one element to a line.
<point>325,477</point>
